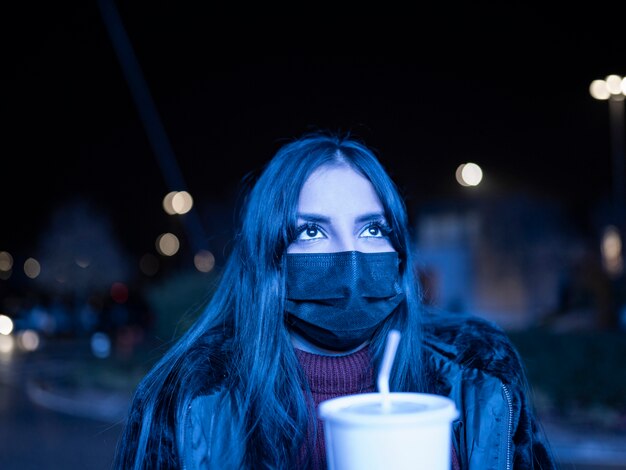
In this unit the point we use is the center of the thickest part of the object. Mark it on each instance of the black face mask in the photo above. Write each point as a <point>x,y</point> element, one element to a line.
<point>338,300</point>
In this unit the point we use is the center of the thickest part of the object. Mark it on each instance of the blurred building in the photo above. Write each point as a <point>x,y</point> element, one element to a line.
<point>503,259</point>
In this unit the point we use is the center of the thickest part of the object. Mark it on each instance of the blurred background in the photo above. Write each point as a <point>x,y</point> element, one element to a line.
<point>130,129</point>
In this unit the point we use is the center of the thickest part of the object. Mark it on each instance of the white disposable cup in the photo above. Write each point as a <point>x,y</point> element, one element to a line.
<point>415,434</point>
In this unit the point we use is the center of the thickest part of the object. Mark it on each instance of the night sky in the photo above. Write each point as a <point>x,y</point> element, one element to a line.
<point>508,91</point>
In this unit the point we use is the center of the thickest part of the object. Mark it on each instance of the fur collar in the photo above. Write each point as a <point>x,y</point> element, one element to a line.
<point>472,342</point>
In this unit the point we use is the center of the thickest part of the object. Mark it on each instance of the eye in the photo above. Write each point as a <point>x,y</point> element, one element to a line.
<point>309,232</point>
<point>376,230</point>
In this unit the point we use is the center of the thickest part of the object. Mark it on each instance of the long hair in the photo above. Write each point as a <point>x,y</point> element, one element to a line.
<point>240,340</point>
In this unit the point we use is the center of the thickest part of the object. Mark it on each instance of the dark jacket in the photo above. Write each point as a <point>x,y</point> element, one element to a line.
<point>468,359</point>
<point>473,362</point>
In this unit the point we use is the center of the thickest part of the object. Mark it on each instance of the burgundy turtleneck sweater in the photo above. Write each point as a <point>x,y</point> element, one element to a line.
<point>334,376</point>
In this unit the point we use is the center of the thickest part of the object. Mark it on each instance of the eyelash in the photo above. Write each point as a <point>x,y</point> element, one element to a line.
<point>382,225</point>
<point>307,226</point>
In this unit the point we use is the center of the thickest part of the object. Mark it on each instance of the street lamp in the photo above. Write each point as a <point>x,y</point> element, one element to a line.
<point>613,90</point>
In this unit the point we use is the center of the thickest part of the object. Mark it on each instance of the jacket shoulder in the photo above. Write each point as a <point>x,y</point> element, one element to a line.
<point>472,342</point>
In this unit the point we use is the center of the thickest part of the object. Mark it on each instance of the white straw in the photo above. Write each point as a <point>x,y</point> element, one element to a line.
<point>393,338</point>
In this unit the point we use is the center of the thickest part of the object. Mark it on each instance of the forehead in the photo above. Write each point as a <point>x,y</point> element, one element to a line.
<point>338,188</point>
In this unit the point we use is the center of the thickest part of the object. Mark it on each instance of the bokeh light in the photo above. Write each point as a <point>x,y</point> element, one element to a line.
<point>119,292</point>
<point>167,244</point>
<point>182,202</point>
<point>611,249</point>
<point>6,261</point>
<point>6,325</point>
<point>204,261</point>
<point>177,202</point>
<point>599,90</point>
<point>612,87</point>
<point>32,268</point>
<point>28,340</point>
<point>167,203</point>
<point>100,344</point>
<point>469,174</point>
<point>459,175</point>
<point>614,84</point>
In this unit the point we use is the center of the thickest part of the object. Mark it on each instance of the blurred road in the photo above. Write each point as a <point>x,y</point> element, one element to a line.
<point>43,426</point>
<point>580,449</point>
<point>37,437</point>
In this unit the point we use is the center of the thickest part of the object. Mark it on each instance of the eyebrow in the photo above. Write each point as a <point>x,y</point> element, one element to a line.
<point>322,219</point>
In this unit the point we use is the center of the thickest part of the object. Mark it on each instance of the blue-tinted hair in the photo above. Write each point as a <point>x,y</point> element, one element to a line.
<point>241,339</point>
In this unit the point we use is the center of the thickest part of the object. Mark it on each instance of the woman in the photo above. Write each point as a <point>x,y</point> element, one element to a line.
<point>320,271</point>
